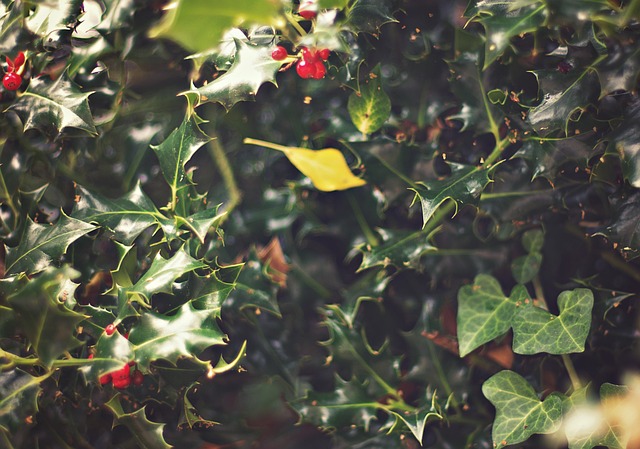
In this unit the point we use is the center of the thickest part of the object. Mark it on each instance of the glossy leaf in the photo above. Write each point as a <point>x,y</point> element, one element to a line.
<point>52,106</point>
<point>253,288</point>
<point>562,95</point>
<point>185,334</point>
<point>327,168</point>
<point>417,421</point>
<point>53,16</point>
<point>463,186</point>
<point>546,157</point>
<point>537,330</point>
<point>117,14</point>
<point>42,244</point>
<point>399,248</point>
<point>197,26</point>
<point>125,217</point>
<point>163,272</point>
<point>370,106</point>
<point>253,66</point>
<point>369,15</point>
<point>110,353</point>
<point>148,435</point>
<point>177,150</point>
<point>47,323</point>
<point>624,228</point>
<point>519,412</point>
<point>18,398</point>
<point>620,70</point>
<point>485,313</point>
<point>624,143</point>
<point>209,292</point>
<point>201,222</point>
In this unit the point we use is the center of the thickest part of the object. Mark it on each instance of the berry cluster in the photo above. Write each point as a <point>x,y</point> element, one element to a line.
<point>13,79</point>
<point>123,377</point>
<point>311,65</point>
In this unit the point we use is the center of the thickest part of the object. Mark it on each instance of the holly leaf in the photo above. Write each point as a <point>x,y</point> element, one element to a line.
<point>47,323</point>
<point>370,106</point>
<point>562,94</point>
<point>40,245</point>
<point>177,149</point>
<point>546,157</point>
<point>118,14</point>
<point>147,434</point>
<point>254,287</point>
<point>111,353</point>
<point>18,398</point>
<point>484,312</point>
<point>185,334</point>
<point>624,143</point>
<point>197,26</point>
<point>504,21</point>
<point>253,66</point>
<point>209,292</point>
<point>536,330</point>
<point>417,421</point>
<point>202,221</point>
<point>399,248</point>
<point>50,16</point>
<point>463,186</point>
<point>624,228</point>
<point>327,168</point>
<point>125,217</point>
<point>51,106</point>
<point>163,272</point>
<point>620,70</point>
<point>369,15</point>
<point>519,412</point>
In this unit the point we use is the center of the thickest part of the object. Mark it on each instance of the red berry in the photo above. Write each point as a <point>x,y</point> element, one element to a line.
<point>320,70</point>
<point>105,379</point>
<point>309,55</point>
<point>324,54</point>
<point>121,378</point>
<point>279,53</point>
<point>307,9</point>
<point>110,329</point>
<point>122,383</point>
<point>304,68</point>
<point>90,356</point>
<point>137,378</point>
<point>12,81</point>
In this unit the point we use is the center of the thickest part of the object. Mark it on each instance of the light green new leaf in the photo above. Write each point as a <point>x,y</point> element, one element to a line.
<point>327,168</point>
<point>463,186</point>
<point>332,3</point>
<point>198,25</point>
<point>525,268</point>
<point>177,149</point>
<point>370,107</point>
<point>126,217</point>
<point>148,434</point>
<point>47,323</point>
<point>163,272</point>
<point>519,412</point>
<point>484,312</point>
<point>51,106</point>
<point>185,334</point>
<point>537,330</point>
<point>253,66</point>
<point>40,244</point>
<point>18,398</point>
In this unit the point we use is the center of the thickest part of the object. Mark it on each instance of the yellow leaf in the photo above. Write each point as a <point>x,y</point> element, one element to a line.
<point>327,168</point>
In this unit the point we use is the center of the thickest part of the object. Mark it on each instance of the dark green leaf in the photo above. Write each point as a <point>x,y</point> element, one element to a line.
<point>624,228</point>
<point>620,70</point>
<point>125,217</point>
<point>519,412</point>
<point>537,330</point>
<point>533,240</point>
<point>369,107</point>
<point>253,66</point>
<point>624,142</point>
<point>369,15</point>
<point>111,353</point>
<point>184,334</point>
<point>399,248</point>
<point>562,94</point>
<point>484,312</point>
<point>40,245</point>
<point>525,268</point>
<point>417,421</point>
<point>148,434</point>
<point>51,16</point>
<point>117,14</point>
<point>546,157</point>
<point>47,323</point>
<point>254,288</point>
<point>18,398</point>
<point>209,292</point>
<point>51,106</point>
<point>200,223</point>
<point>463,186</point>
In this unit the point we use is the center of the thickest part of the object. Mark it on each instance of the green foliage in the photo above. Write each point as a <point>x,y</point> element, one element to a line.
<point>166,280</point>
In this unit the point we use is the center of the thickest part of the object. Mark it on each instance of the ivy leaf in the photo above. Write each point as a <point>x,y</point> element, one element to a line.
<point>163,272</point>
<point>504,21</point>
<point>399,248</point>
<point>624,143</point>
<point>253,66</point>
<point>370,106</point>
<point>198,27</point>
<point>537,330</point>
<point>18,398</point>
<point>533,240</point>
<point>519,412</point>
<point>177,150</point>
<point>126,217</point>
<point>369,15</point>
<point>41,244</point>
<point>484,312</point>
<point>51,106</point>
<point>525,268</point>
<point>148,434</point>
<point>187,333</point>
<point>327,168</point>
<point>562,95</point>
<point>463,186</point>
<point>47,323</point>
